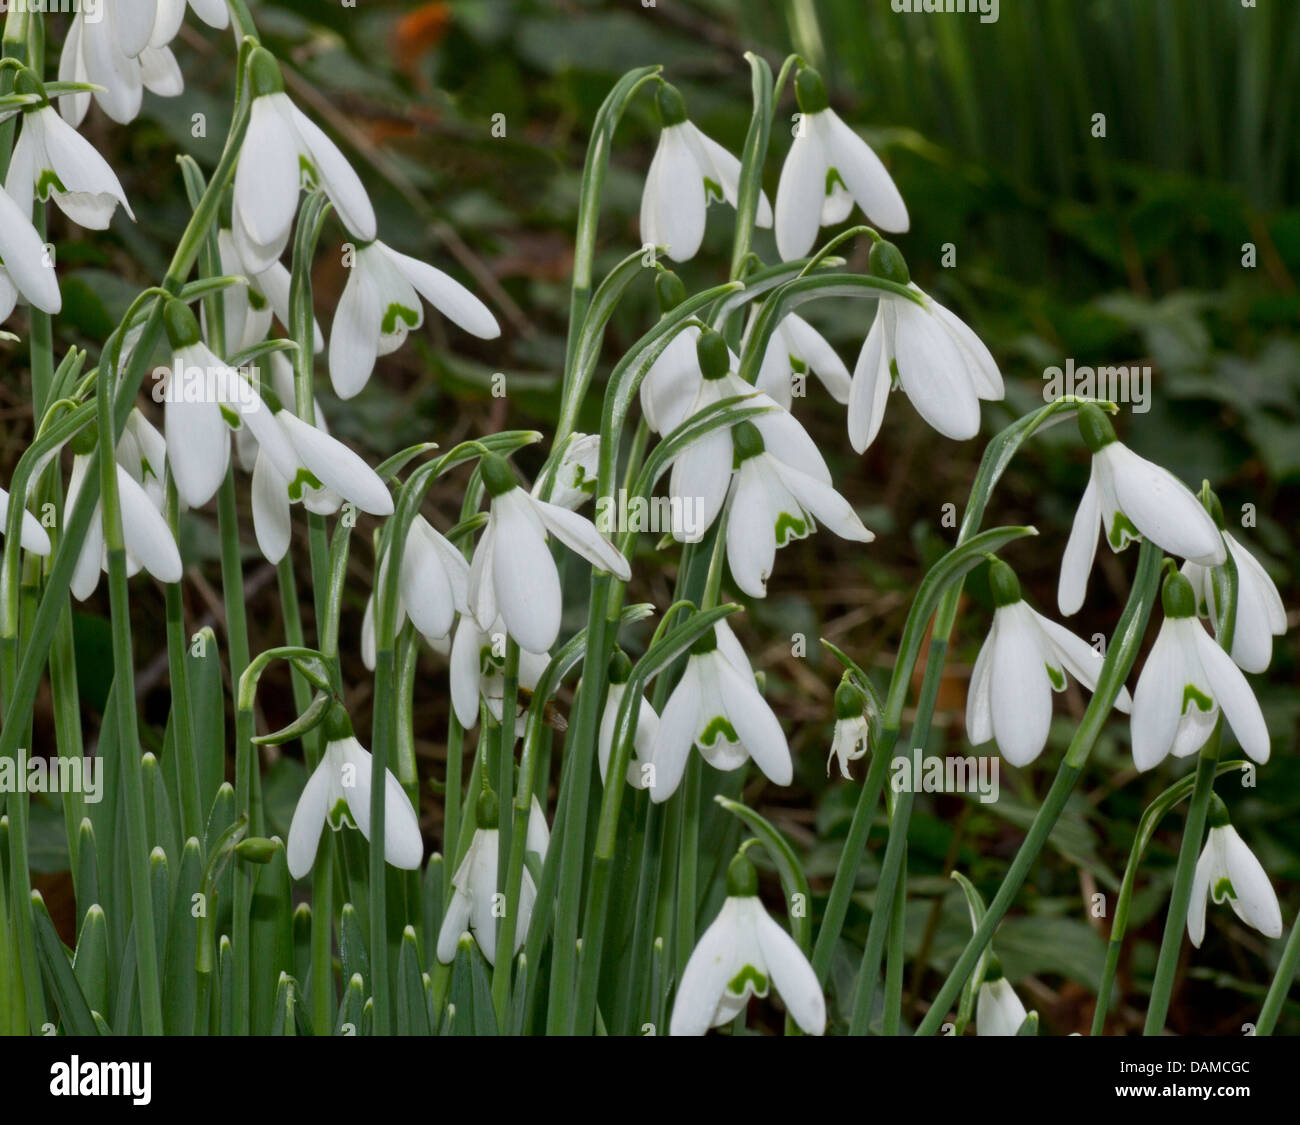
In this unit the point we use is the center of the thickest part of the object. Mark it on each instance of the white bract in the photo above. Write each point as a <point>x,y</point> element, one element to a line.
<point>476,904</point>
<point>1261,616</point>
<point>716,706</point>
<point>1185,682</point>
<point>943,368</point>
<point>745,953</point>
<point>575,476</point>
<point>794,349</point>
<point>687,172</point>
<point>282,152</point>
<point>1022,661</point>
<point>1228,871</point>
<point>513,573</point>
<point>828,169</point>
<point>53,161</point>
<point>1127,498</point>
<point>381,303</point>
<point>772,503</point>
<point>344,775</point>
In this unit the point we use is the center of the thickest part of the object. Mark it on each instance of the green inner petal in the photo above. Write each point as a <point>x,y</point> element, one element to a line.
<point>256,300</point>
<point>1191,694</point>
<point>47,181</point>
<point>391,316</point>
<point>718,727</point>
<point>749,974</point>
<point>1057,677</point>
<point>233,420</point>
<point>789,527</point>
<point>832,179</point>
<point>1222,889</point>
<point>712,191</point>
<point>1121,532</point>
<point>304,479</point>
<point>307,171</point>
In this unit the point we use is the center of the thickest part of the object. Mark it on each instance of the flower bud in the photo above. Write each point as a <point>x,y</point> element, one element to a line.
<point>742,878</point>
<point>1095,427</point>
<point>886,261</point>
<point>498,477</point>
<point>672,108</point>
<point>1178,597</point>
<point>1003,584</point>
<point>810,91</point>
<point>714,355</point>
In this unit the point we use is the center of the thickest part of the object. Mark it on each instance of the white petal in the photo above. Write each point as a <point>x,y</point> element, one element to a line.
<point>706,975</point>
<point>144,531</point>
<point>700,476</point>
<point>447,295</point>
<point>267,179</point>
<point>872,380</point>
<point>337,179</point>
<point>308,820</point>
<point>198,441</point>
<point>826,506</point>
<point>426,590</point>
<point>1260,613</point>
<point>465,648</point>
<point>31,534</point>
<point>755,725</point>
<point>863,173</point>
<point>1233,695</point>
<point>25,258</point>
<point>161,73</point>
<point>337,467</point>
<point>1078,657</point>
<point>673,201</point>
<point>580,535</point>
<point>1254,899</point>
<point>800,192</point>
<point>751,530</point>
<point>811,347</point>
<point>979,706</point>
<point>271,519</point>
<point>1162,508</point>
<point>933,373</point>
<point>454,923</point>
<point>403,846</point>
<point>1080,550</point>
<point>791,973</point>
<point>524,577</point>
<point>1158,700</point>
<point>1200,894</point>
<point>1020,691</point>
<point>678,726</point>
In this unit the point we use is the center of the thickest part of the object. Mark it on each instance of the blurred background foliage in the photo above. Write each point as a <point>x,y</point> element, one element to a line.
<point>1172,241</point>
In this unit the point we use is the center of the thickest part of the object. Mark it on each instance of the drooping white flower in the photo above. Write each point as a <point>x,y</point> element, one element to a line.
<point>1228,871</point>
<point>1127,498</point>
<point>998,1010</point>
<point>828,169</point>
<point>513,573</point>
<point>716,706</point>
<point>25,267</point>
<point>1022,661</point>
<point>146,538</point>
<point>795,349</point>
<point>433,586</point>
<point>123,49</point>
<point>344,775</point>
<point>282,151</point>
<point>32,534</point>
<point>198,385</point>
<point>672,385</point>
<point>478,660</point>
<point>701,472</point>
<point>1261,616</point>
<point>1185,682</point>
<point>745,953</point>
<point>475,899</point>
<point>575,476</point>
<point>852,730</point>
<point>381,303</point>
<point>53,161</point>
<point>640,767</point>
<point>687,172</point>
<point>248,310</point>
<point>773,503</point>
<point>943,367</point>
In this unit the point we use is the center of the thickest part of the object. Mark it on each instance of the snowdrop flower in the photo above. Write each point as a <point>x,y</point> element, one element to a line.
<point>124,50</point>
<point>1261,616</point>
<point>716,707</point>
<point>575,477</point>
<point>249,309</point>
<point>433,586</point>
<point>852,731</point>
<point>475,889</point>
<point>942,366</point>
<point>1186,680</point>
<point>147,539</point>
<point>743,954</point>
<point>828,169</point>
<point>1023,660</point>
<point>701,472</point>
<point>282,151</point>
<point>25,267</point>
<point>381,303</point>
<point>1129,497</point>
<point>53,160</point>
<point>478,661</point>
<point>795,349</point>
<point>998,1010</point>
<point>513,572</point>
<point>32,534</point>
<point>773,503</point>
<point>640,767</point>
<point>344,776</point>
<point>1228,870</point>
<point>688,171</point>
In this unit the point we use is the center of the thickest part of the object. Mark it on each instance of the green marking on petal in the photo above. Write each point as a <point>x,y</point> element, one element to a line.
<point>304,480</point>
<point>1057,677</point>
<point>789,527</point>
<point>1121,532</point>
<point>48,181</point>
<point>893,373</point>
<point>256,300</point>
<point>1223,889</point>
<point>307,171</point>
<point>833,178</point>
<point>718,728</point>
<point>233,420</point>
<point>1191,694</point>
<point>748,975</point>
<point>394,312</point>
<point>712,191</point>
